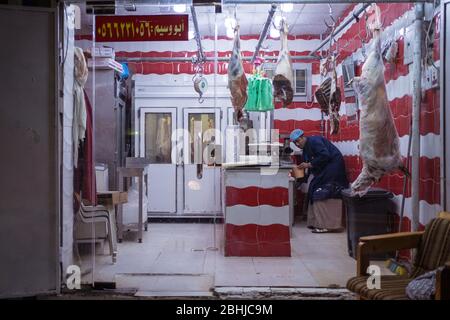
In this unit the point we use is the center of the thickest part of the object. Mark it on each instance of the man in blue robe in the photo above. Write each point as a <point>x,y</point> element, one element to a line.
<point>326,163</point>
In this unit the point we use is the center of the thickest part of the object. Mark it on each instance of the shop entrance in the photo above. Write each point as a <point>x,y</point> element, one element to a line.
<point>202,152</point>
<point>181,134</point>
<point>184,159</point>
<point>177,129</point>
<point>156,146</point>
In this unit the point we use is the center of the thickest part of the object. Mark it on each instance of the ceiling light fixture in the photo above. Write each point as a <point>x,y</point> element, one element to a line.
<point>230,23</point>
<point>230,33</point>
<point>129,5</point>
<point>287,7</point>
<point>179,8</point>
<point>277,21</point>
<point>274,33</point>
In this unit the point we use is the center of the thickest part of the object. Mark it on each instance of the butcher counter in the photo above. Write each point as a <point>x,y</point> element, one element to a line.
<point>258,211</point>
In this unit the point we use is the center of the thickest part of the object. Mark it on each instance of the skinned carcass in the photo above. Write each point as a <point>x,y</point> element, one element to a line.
<point>283,80</point>
<point>237,81</point>
<point>328,95</point>
<point>379,144</point>
<point>335,101</point>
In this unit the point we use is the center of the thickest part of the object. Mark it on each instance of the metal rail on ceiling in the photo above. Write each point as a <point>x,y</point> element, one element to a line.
<point>263,34</point>
<point>201,55</point>
<point>341,26</point>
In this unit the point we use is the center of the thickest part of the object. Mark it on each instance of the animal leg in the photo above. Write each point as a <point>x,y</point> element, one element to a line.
<point>355,83</point>
<point>362,184</point>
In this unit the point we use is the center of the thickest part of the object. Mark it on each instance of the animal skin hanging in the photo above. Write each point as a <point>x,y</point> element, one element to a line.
<point>329,97</point>
<point>334,100</point>
<point>379,144</point>
<point>237,81</point>
<point>283,79</point>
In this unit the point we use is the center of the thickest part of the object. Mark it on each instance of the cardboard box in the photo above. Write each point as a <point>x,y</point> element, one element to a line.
<point>112,197</point>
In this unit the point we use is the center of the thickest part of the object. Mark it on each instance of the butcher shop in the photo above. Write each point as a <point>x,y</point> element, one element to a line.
<point>215,149</point>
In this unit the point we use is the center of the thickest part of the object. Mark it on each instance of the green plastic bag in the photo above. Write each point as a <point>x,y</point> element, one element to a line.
<point>252,95</point>
<point>265,102</point>
<point>260,94</point>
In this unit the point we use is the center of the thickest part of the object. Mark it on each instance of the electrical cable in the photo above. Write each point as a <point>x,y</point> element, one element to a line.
<point>296,18</point>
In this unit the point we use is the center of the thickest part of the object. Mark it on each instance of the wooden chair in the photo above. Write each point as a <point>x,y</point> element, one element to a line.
<point>433,251</point>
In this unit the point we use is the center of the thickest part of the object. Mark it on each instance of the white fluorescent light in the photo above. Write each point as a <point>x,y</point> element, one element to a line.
<point>230,23</point>
<point>179,8</point>
<point>194,185</point>
<point>230,33</point>
<point>274,33</point>
<point>287,7</point>
<point>277,21</point>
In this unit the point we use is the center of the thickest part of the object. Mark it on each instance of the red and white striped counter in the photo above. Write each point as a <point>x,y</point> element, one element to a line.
<point>256,212</point>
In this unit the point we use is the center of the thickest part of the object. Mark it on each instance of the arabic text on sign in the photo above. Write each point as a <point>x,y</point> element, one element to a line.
<point>118,30</point>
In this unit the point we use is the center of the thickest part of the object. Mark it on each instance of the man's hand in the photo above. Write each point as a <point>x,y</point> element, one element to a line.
<point>304,165</point>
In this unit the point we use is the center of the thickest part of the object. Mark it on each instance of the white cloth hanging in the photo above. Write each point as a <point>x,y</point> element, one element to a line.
<point>79,106</point>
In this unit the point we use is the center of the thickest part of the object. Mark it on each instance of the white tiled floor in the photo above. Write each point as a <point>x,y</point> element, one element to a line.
<point>180,257</point>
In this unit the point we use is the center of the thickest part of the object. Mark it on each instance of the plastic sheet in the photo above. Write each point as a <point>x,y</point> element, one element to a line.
<point>260,94</point>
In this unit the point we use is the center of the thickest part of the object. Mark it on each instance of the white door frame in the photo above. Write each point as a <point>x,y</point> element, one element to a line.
<point>158,110</point>
<point>218,125</point>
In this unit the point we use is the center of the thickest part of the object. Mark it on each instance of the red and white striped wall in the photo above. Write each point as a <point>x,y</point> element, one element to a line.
<point>306,115</point>
<point>256,213</point>
<point>300,45</point>
<point>399,89</point>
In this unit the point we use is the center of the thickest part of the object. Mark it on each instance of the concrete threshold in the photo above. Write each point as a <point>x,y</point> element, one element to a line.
<point>218,293</point>
<point>284,293</point>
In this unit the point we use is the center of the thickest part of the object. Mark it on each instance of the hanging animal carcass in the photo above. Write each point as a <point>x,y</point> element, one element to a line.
<point>237,81</point>
<point>379,144</point>
<point>283,80</point>
<point>328,94</point>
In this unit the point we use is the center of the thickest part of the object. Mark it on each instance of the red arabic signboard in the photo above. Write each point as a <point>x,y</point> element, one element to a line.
<point>141,28</point>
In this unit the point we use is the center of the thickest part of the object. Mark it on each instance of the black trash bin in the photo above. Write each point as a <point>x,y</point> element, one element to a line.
<point>369,215</point>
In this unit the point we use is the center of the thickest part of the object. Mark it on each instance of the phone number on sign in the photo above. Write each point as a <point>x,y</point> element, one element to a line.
<point>142,29</point>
